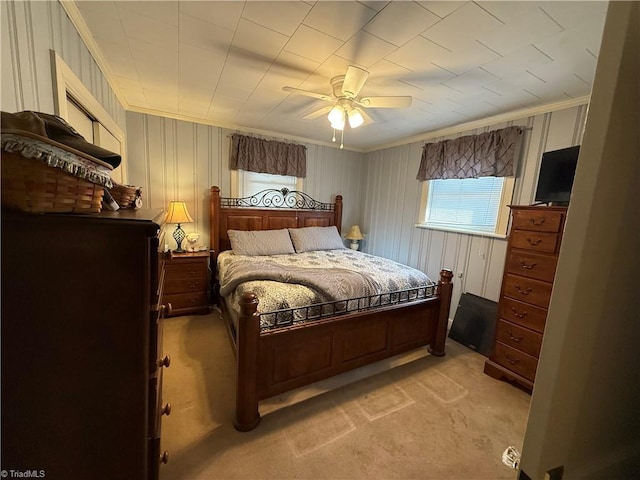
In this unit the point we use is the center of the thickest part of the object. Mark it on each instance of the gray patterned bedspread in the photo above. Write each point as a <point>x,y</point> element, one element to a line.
<point>327,267</point>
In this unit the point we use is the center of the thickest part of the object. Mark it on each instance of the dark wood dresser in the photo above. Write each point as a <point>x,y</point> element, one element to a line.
<point>82,356</point>
<point>187,283</point>
<point>530,267</point>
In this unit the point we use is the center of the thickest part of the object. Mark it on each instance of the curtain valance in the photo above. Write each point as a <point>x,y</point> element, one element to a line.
<point>268,156</point>
<point>489,154</point>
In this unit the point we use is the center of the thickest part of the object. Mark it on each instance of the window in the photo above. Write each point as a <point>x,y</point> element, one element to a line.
<point>469,205</point>
<point>250,183</point>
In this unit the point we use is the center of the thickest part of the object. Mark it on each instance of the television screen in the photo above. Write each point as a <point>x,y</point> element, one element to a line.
<point>557,170</point>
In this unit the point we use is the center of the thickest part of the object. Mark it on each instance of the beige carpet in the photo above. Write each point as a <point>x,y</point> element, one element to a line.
<point>430,418</point>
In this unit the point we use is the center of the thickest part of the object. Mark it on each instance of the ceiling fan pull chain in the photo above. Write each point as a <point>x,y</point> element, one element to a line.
<point>342,139</point>
<point>334,135</point>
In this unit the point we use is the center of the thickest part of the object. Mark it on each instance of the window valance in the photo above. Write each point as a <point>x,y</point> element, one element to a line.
<point>489,154</point>
<point>268,156</point>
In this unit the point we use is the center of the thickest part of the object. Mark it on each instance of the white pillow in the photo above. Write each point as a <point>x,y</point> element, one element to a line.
<point>307,239</point>
<point>260,242</point>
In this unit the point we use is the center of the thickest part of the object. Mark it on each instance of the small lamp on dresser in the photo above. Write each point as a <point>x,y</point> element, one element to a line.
<point>178,213</point>
<point>354,235</point>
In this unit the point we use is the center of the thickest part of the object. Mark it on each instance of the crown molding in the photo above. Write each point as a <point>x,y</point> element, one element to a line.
<point>77,19</point>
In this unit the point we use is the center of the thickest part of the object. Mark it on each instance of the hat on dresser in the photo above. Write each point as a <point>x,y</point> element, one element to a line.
<point>56,131</point>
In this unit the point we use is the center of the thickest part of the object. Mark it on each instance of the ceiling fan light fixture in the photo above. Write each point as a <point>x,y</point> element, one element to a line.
<point>355,118</point>
<point>336,116</point>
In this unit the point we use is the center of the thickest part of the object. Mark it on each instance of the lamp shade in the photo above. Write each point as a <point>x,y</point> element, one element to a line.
<point>354,233</point>
<point>178,213</point>
<point>355,118</point>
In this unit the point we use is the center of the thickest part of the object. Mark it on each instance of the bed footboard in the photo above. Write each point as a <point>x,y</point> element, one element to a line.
<point>276,361</point>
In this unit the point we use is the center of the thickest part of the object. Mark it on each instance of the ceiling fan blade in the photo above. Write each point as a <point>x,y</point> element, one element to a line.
<point>298,91</point>
<point>367,118</point>
<point>317,113</point>
<point>354,81</point>
<point>386,102</point>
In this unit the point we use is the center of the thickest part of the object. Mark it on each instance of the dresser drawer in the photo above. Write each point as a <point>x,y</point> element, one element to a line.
<point>538,220</point>
<point>185,285</point>
<point>516,361</point>
<point>519,338</point>
<point>535,241</point>
<point>532,265</point>
<point>528,290</point>
<point>523,314</point>
<point>181,301</point>
<point>187,269</point>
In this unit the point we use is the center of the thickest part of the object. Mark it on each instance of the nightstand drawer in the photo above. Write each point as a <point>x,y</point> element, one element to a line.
<point>185,285</point>
<point>532,265</point>
<point>528,290</point>
<point>519,338</point>
<point>186,269</point>
<point>181,301</point>
<point>523,314</point>
<point>535,241</point>
<point>538,220</point>
<point>516,361</point>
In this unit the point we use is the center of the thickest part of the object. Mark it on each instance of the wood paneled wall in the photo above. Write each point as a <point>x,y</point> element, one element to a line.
<point>30,30</point>
<point>391,206</point>
<point>177,160</point>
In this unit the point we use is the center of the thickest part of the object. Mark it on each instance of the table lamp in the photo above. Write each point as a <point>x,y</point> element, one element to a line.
<point>354,235</point>
<point>178,213</point>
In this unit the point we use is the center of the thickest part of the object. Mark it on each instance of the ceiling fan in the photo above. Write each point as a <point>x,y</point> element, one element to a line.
<point>347,105</point>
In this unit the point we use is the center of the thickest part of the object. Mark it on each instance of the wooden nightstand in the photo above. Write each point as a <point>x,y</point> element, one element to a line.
<point>187,282</point>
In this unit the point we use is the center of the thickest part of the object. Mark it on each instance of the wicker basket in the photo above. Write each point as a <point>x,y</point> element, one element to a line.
<point>31,186</point>
<point>125,195</point>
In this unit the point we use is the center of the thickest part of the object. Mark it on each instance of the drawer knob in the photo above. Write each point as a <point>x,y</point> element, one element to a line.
<point>519,315</point>
<point>192,272</point>
<point>164,458</point>
<point>527,266</point>
<point>537,222</point>
<point>165,310</point>
<point>533,241</point>
<point>512,361</point>
<point>513,338</point>
<point>521,291</point>
<point>193,285</point>
<point>166,409</point>
<point>165,362</point>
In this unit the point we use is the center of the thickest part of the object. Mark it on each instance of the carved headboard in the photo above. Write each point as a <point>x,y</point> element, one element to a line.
<point>268,210</point>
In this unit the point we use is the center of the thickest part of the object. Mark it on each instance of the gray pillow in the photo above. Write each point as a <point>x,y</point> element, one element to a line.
<point>307,239</point>
<point>260,242</point>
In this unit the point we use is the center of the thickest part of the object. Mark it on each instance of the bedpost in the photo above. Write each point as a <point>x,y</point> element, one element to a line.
<point>445,290</point>
<point>247,416</point>
<point>338,212</point>
<point>214,219</point>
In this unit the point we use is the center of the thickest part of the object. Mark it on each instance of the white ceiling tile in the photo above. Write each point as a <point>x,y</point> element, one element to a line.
<point>584,66</point>
<point>144,29</point>
<point>413,18</point>
<point>442,8</point>
<point>258,39</point>
<point>364,49</point>
<point>572,14</point>
<point>199,70</point>
<point>105,8</point>
<point>204,35</point>
<point>466,57</point>
<point>508,11</point>
<point>120,60</point>
<point>339,19</point>
<point>313,44</point>
<point>471,80</point>
<point>565,45</point>
<point>283,17</point>
<point>161,11</point>
<point>520,32</point>
<point>106,27</point>
<point>224,14</point>
<point>416,53</point>
<point>462,26</point>
<point>517,61</point>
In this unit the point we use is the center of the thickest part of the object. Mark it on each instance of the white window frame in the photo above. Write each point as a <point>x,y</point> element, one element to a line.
<point>502,219</point>
<point>67,84</point>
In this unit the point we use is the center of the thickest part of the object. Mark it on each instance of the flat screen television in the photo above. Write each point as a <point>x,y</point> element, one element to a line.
<point>557,169</point>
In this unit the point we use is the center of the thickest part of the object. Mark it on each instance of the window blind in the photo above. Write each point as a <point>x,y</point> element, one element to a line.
<point>252,182</point>
<point>466,204</point>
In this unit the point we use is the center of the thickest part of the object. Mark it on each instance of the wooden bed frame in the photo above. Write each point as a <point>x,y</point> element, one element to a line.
<point>275,361</point>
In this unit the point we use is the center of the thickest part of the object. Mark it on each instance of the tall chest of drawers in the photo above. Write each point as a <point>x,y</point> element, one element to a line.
<point>82,354</point>
<point>530,267</point>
